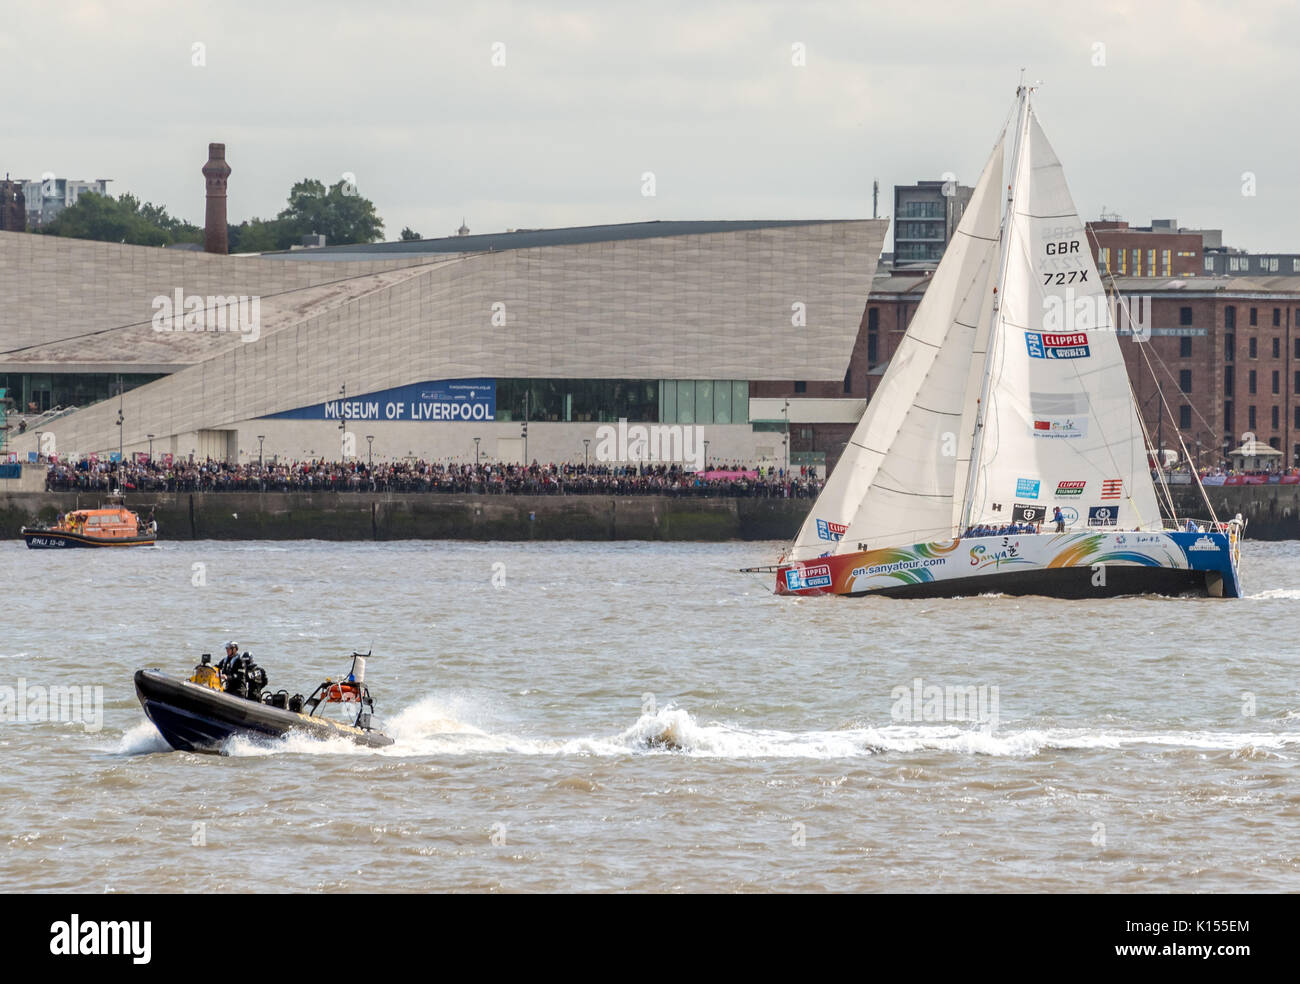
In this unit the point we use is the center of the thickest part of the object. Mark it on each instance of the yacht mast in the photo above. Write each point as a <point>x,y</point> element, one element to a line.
<point>977,439</point>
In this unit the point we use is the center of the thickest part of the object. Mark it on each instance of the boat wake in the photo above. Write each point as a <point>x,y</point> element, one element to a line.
<point>1274,594</point>
<point>143,739</point>
<point>433,727</point>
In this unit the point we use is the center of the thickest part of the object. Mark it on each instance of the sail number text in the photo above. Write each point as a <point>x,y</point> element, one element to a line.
<point>1073,276</point>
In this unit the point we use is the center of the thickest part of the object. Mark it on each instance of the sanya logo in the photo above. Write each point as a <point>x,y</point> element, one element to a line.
<point>1204,543</point>
<point>214,312</point>
<point>657,442</point>
<point>1060,427</point>
<point>981,555</point>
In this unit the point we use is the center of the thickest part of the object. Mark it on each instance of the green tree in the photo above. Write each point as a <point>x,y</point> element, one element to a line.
<point>409,235</point>
<point>339,213</point>
<point>121,220</point>
<point>256,236</point>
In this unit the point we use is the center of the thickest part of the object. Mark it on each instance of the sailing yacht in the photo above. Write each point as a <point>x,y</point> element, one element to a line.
<point>1003,451</point>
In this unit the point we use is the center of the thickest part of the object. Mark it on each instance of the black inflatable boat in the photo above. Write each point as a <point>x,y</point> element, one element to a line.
<point>201,713</point>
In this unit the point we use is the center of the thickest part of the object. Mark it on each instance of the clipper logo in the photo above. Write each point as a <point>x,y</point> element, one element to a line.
<point>1070,488</point>
<point>1073,345</point>
<point>1027,488</point>
<point>827,530</point>
<point>796,579</point>
<point>1204,543</point>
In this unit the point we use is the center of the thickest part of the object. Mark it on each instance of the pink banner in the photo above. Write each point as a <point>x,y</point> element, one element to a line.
<point>723,475</point>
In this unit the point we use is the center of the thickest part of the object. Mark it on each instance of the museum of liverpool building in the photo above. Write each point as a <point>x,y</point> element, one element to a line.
<point>511,346</point>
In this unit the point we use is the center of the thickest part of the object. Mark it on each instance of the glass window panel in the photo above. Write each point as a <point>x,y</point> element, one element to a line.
<point>686,401</point>
<point>740,401</point>
<point>721,401</point>
<point>704,401</point>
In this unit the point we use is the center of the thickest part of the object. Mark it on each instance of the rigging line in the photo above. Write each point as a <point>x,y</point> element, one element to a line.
<point>917,495</point>
<point>1170,373</point>
<point>1108,276</point>
<point>1163,485</point>
<point>1196,469</point>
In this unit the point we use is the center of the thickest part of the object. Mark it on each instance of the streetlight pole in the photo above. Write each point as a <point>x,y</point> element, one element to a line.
<point>120,429</point>
<point>476,440</point>
<point>150,436</point>
<point>786,411</point>
<point>525,433</point>
<point>706,455</point>
<point>370,450</point>
<point>586,447</point>
<point>260,439</point>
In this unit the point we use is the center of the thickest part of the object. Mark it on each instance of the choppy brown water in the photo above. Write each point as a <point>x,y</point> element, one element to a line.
<point>639,717</point>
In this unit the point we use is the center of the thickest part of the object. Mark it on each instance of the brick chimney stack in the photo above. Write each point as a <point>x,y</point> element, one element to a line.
<point>215,173</point>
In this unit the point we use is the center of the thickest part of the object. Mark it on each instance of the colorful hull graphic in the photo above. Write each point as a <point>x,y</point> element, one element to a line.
<point>1081,564</point>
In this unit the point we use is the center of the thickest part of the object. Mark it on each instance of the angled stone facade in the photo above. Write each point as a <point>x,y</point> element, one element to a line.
<point>756,304</point>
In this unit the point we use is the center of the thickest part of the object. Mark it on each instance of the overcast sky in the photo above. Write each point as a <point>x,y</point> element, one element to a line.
<point>1162,121</point>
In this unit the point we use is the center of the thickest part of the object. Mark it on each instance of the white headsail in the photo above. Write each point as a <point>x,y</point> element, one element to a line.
<point>894,482</point>
<point>1060,425</point>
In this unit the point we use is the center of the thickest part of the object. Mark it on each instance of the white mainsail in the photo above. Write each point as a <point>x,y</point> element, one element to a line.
<point>1011,362</point>
<point>894,482</point>
<point>1060,427</point>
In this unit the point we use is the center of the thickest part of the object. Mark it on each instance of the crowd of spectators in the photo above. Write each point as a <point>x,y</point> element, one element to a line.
<point>425,476</point>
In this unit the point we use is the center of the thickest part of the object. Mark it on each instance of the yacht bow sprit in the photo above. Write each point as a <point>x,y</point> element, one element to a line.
<point>1003,451</point>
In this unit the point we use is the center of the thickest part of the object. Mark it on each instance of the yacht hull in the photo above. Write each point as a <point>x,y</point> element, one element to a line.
<point>1055,565</point>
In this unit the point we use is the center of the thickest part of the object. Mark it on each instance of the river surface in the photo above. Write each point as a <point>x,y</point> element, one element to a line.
<point>639,717</point>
